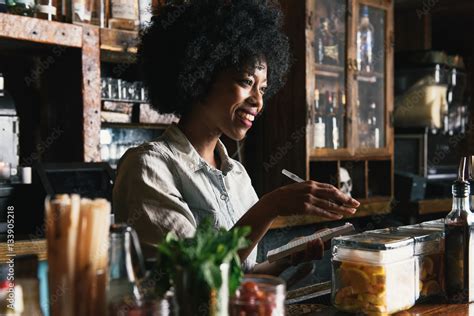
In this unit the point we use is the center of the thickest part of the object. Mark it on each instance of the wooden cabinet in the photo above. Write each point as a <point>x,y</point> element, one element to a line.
<point>54,72</point>
<point>334,116</point>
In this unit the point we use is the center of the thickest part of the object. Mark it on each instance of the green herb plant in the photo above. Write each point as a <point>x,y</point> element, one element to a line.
<point>200,257</point>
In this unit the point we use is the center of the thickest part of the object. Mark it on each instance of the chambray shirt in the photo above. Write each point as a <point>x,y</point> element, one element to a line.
<point>165,185</point>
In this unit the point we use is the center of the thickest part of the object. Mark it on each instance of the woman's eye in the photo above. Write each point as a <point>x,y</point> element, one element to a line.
<point>247,82</point>
<point>262,90</point>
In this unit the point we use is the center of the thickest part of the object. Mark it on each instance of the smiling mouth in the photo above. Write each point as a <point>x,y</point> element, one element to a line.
<point>245,116</point>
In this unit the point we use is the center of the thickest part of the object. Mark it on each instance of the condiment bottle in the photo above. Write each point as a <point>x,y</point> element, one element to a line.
<point>459,243</point>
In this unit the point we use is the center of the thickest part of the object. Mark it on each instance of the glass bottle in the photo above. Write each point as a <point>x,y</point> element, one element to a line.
<point>459,276</point>
<point>331,52</point>
<point>365,42</point>
<point>373,129</point>
<point>124,295</point>
<point>47,9</point>
<point>335,128</point>
<point>319,137</point>
<point>319,47</point>
<point>471,180</point>
<point>329,122</point>
<point>342,114</point>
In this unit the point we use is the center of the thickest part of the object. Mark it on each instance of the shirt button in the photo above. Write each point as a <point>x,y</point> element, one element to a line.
<point>224,197</point>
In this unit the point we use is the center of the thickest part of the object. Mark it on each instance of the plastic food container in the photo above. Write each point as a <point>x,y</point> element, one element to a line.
<point>429,253</point>
<point>434,224</point>
<point>259,295</point>
<point>373,275</point>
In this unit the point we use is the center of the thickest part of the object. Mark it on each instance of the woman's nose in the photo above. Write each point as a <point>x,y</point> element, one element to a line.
<point>256,99</point>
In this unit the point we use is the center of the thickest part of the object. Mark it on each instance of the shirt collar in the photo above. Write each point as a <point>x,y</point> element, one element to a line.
<point>183,149</point>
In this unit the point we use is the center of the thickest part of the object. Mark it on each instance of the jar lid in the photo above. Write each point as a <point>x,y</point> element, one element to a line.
<point>425,240</point>
<point>370,242</point>
<point>373,249</point>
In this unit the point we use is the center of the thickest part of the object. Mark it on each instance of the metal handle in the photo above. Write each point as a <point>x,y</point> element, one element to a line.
<point>138,250</point>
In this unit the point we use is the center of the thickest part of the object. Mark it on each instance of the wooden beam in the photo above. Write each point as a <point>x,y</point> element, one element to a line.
<point>39,31</point>
<point>91,93</point>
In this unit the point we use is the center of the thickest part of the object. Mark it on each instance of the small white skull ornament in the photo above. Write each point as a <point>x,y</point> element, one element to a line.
<point>345,181</point>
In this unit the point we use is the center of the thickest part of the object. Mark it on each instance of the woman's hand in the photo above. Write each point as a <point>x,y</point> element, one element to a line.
<point>310,198</point>
<point>314,250</point>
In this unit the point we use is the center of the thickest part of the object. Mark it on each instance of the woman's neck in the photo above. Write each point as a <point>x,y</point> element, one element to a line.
<point>202,136</point>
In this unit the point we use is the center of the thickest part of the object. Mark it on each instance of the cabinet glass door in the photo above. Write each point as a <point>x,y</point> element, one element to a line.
<point>370,63</point>
<point>329,108</point>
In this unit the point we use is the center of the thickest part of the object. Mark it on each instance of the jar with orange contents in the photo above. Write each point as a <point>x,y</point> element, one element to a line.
<point>373,275</point>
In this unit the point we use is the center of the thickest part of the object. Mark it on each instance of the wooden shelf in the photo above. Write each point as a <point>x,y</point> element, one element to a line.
<point>135,125</point>
<point>327,154</point>
<point>329,71</point>
<point>379,206</point>
<point>15,27</point>
<point>371,77</point>
<point>23,247</point>
<point>118,46</point>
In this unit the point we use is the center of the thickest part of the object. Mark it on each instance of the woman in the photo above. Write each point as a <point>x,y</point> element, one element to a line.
<point>213,62</point>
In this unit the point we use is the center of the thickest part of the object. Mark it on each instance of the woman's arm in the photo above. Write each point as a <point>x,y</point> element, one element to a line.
<point>306,198</point>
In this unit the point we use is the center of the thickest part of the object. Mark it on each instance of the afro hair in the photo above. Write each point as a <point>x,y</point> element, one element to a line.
<point>187,43</point>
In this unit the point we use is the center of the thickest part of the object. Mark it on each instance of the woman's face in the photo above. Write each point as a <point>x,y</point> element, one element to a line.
<point>235,99</point>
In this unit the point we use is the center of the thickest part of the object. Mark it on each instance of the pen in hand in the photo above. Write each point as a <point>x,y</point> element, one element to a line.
<point>295,178</point>
<point>292,176</point>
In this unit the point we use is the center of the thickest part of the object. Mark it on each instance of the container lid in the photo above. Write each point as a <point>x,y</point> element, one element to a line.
<point>373,249</point>
<point>437,224</point>
<point>419,234</point>
<point>369,242</point>
<point>425,240</point>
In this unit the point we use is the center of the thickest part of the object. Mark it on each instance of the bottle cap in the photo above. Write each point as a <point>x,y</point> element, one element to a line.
<point>461,189</point>
<point>365,11</point>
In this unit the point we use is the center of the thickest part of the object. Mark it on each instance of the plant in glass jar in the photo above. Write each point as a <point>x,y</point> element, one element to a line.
<point>203,270</point>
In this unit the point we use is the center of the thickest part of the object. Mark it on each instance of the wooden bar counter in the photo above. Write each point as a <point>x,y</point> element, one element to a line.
<point>420,309</point>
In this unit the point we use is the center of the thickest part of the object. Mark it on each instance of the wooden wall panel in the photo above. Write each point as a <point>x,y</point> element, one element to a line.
<point>91,93</point>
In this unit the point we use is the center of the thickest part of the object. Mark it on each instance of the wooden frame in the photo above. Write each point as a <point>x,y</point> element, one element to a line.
<point>93,43</point>
<point>298,156</point>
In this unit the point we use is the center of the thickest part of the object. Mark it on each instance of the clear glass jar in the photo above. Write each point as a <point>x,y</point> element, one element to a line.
<point>259,295</point>
<point>192,295</point>
<point>373,275</point>
<point>429,252</point>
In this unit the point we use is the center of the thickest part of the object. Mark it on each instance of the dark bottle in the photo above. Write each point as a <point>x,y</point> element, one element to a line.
<point>331,52</point>
<point>319,47</point>
<point>459,276</point>
<point>3,6</point>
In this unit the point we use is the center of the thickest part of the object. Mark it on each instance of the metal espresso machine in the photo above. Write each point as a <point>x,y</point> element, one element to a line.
<point>430,116</point>
<point>9,153</point>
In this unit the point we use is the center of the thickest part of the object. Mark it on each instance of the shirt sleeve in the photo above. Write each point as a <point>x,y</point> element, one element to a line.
<point>146,196</point>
